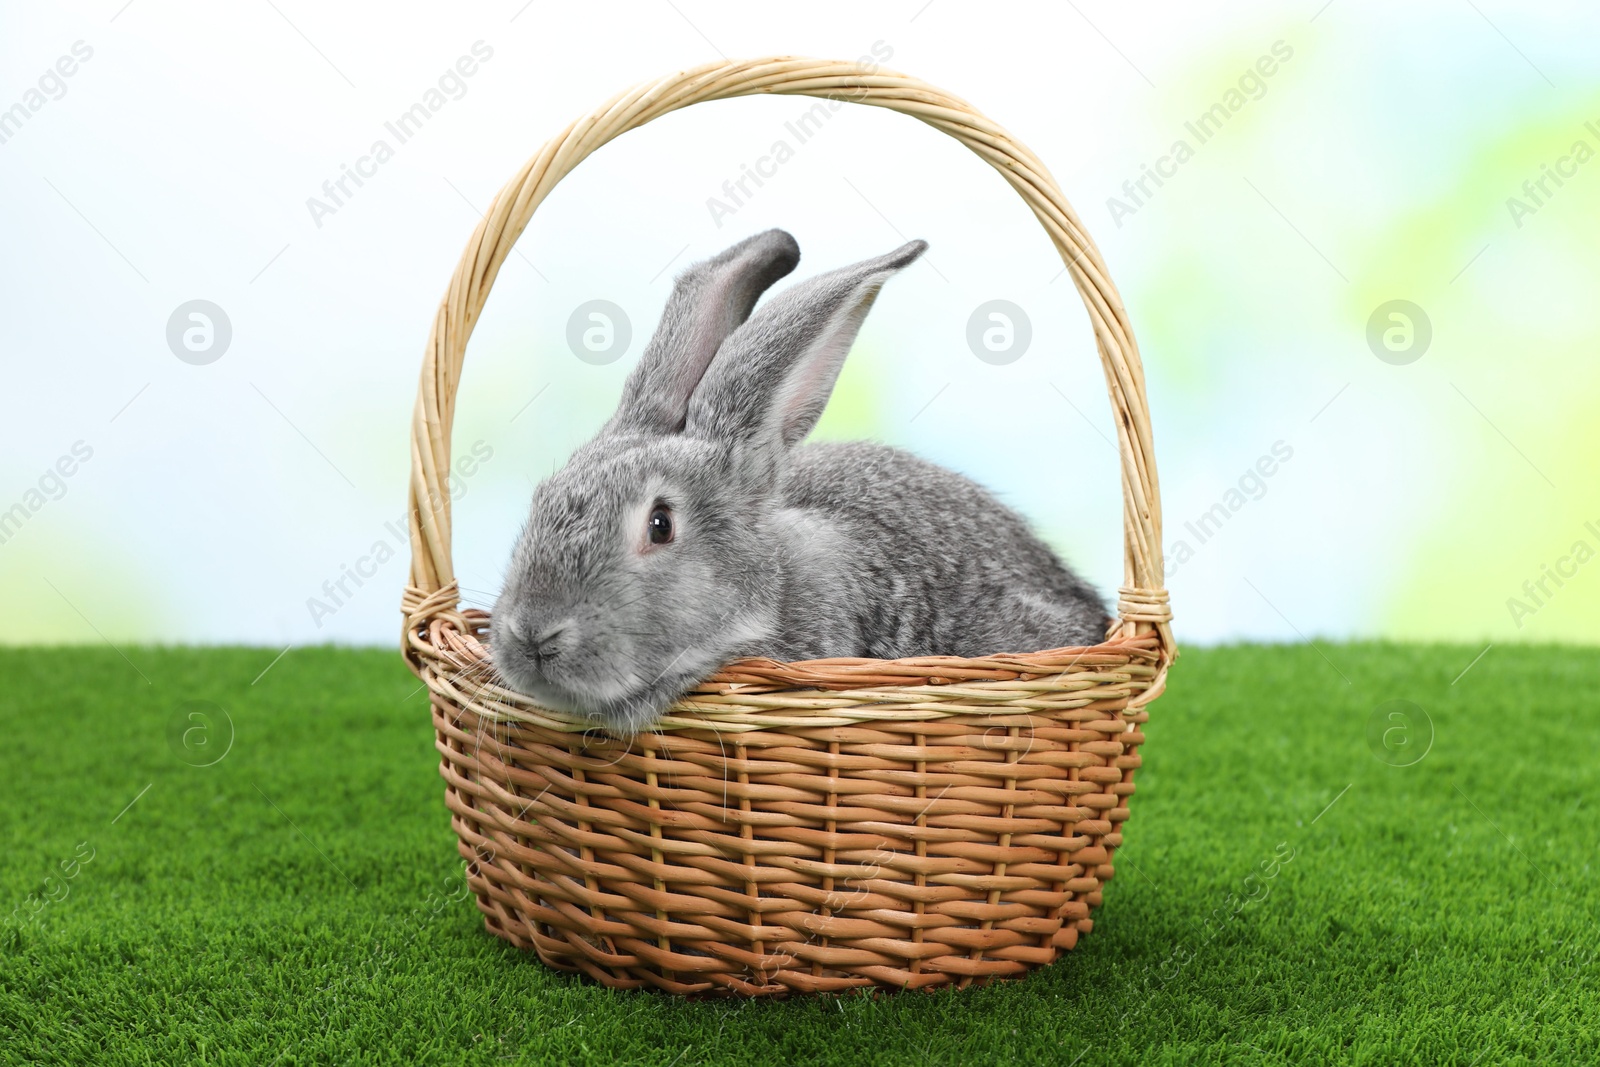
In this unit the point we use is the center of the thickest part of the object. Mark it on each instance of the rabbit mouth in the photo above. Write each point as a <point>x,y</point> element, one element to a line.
<point>628,702</point>
<point>626,696</point>
<point>577,697</point>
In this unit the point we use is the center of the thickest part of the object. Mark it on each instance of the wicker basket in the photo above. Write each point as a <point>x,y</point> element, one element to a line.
<point>794,827</point>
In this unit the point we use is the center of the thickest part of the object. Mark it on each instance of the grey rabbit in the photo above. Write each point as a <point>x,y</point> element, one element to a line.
<point>695,528</point>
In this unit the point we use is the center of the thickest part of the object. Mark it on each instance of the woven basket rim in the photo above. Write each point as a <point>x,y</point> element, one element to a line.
<point>845,673</point>
<point>773,695</point>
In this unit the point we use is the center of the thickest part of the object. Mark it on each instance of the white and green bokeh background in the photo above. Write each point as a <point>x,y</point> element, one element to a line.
<point>1378,162</point>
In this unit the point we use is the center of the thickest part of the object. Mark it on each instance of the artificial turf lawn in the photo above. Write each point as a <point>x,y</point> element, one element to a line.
<point>300,900</point>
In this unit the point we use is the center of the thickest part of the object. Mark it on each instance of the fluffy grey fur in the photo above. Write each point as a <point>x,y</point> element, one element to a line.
<point>778,549</point>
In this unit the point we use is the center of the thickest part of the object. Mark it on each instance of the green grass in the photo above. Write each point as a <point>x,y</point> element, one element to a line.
<point>299,901</point>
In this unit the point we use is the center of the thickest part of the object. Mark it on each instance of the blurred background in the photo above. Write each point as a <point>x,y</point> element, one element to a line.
<point>1357,241</point>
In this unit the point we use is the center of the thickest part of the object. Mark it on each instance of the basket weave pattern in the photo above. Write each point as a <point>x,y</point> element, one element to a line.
<point>794,827</point>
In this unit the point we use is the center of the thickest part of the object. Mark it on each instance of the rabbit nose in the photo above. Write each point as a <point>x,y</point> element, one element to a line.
<point>552,641</point>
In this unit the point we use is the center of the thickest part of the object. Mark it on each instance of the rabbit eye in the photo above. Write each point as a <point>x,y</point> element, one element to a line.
<point>660,525</point>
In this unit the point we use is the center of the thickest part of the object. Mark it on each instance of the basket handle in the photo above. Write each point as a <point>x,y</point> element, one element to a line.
<point>1142,606</point>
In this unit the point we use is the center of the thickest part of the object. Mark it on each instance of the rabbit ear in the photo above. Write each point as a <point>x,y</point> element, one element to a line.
<point>709,300</point>
<point>772,376</point>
